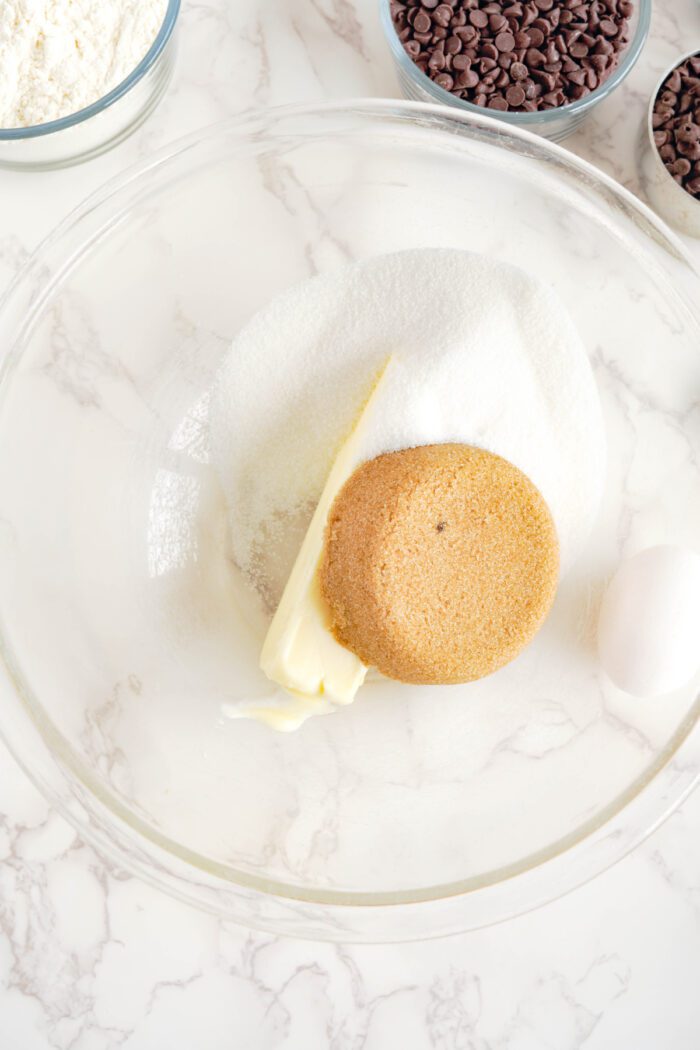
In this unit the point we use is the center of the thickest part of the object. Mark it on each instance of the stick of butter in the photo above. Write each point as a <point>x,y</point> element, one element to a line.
<point>300,652</point>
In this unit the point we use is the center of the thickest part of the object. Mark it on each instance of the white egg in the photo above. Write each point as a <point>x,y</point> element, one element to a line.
<point>649,625</point>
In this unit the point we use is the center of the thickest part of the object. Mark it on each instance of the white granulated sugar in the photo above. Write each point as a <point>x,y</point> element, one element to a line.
<point>485,355</point>
<point>58,56</point>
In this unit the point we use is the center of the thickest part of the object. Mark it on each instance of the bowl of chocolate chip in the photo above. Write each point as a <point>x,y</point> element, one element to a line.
<point>538,64</point>
<point>671,165</point>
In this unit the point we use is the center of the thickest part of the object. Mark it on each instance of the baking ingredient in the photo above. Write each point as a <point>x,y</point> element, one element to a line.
<point>676,124</point>
<point>514,56</point>
<point>649,622</point>
<point>441,563</point>
<point>300,652</point>
<point>484,354</point>
<point>59,56</point>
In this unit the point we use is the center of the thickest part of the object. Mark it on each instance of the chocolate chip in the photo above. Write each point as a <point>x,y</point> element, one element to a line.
<point>461,62</point>
<point>443,15</point>
<point>505,41</point>
<point>422,22</point>
<point>543,26</point>
<point>468,79</point>
<point>690,149</point>
<point>674,82</point>
<point>518,71</point>
<point>682,166</point>
<point>489,51</point>
<point>530,55</point>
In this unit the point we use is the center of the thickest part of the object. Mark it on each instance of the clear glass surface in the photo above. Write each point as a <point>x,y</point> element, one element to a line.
<point>554,124</point>
<point>123,623</point>
<point>102,125</point>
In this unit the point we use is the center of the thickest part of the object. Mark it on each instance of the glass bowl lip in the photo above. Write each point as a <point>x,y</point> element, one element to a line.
<point>683,197</point>
<point>526,120</point>
<point>121,89</point>
<point>334,904</point>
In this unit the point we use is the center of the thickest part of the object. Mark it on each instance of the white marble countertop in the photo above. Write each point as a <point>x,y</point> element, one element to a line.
<point>92,959</point>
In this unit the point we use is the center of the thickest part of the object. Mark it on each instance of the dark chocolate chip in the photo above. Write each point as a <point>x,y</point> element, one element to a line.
<point>515,96</point>
<point>422,22</point>
<point>489,51</point>
<point>468,79</point>
<point>478,18</point>
<point>505,41</point>
<point>682,166</point>
<point>461,62</point>
<point>535,54</point>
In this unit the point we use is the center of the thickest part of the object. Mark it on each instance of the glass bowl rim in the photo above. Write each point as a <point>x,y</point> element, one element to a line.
<point>548,116</point>
<point>542,868</point>
<point>87,112</point>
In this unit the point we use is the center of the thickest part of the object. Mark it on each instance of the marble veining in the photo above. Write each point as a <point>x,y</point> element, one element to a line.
<point>93,959</point>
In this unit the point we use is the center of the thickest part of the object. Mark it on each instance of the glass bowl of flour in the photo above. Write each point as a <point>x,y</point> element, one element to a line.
<point>130,635</point>
<point>77,79</point>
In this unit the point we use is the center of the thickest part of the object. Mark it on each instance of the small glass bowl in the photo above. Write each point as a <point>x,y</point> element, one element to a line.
<point>554,124</point>
<point>106,122</point>
<point>671,201</point>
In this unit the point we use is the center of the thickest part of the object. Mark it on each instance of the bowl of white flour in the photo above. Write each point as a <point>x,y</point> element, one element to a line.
<point>79,77</point>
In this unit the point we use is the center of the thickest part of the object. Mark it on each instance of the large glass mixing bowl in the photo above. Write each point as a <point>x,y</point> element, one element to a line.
<point>124,626</point>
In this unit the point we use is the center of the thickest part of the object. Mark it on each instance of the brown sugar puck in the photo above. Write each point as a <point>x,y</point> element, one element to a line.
<point>440,563</point>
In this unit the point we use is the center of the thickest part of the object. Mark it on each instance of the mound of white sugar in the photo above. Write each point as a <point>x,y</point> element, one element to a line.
<point>485,355</point>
